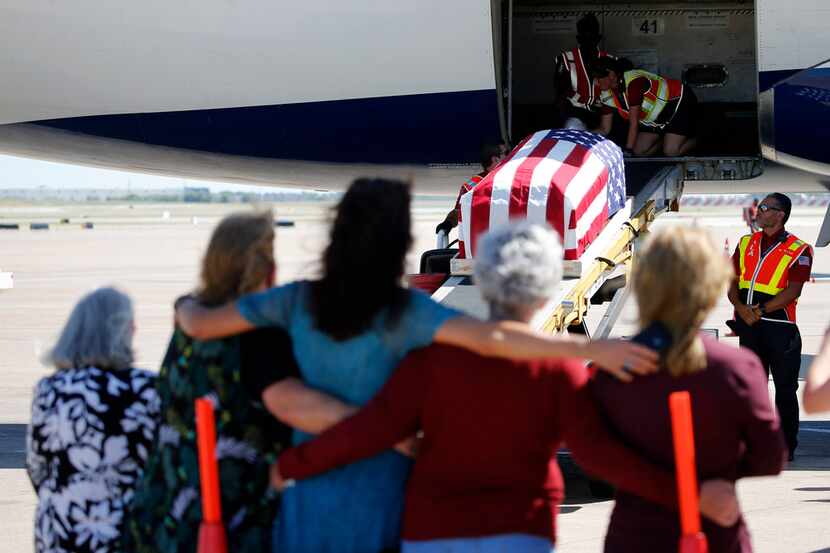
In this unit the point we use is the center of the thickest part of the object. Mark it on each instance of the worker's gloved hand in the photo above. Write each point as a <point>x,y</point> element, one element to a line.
<point>628,152</point>
<point>446,226</point>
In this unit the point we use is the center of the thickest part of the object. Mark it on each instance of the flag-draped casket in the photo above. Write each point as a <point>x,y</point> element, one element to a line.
<point>572,180</point>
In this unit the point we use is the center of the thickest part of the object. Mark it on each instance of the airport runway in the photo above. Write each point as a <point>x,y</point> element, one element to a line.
<point>155,259</point>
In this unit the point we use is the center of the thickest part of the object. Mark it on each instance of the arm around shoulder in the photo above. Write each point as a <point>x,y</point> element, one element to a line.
<point>390,417</point>
<point>515,340</point>
<point>304,408</point>
<point>207,323</point>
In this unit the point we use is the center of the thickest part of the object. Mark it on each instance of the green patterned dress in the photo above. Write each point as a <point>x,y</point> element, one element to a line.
<point>166,511</point>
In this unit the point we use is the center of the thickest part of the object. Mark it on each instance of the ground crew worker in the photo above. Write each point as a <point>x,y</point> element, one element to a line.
<point>658,109</point>
<point>491,155</point>
<point>772,266</point>
<point>577,94</point>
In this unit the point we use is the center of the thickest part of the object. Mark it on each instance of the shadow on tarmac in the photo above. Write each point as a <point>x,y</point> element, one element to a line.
<point>813,451</point>
<point>12,446</point>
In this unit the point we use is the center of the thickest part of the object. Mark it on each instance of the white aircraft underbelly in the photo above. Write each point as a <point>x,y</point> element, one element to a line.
<point>94,57</point>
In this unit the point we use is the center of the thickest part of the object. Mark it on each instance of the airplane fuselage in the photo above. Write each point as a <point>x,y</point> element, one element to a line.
<point>398,82</point>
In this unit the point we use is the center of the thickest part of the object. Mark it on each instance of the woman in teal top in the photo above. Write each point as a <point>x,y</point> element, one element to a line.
<point>350,329</point>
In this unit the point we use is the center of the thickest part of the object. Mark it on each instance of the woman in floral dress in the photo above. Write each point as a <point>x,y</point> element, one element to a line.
<point>93,424</point>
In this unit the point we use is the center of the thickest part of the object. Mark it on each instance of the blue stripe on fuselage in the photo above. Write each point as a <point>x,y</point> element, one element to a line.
<point>768,79</point>
<point>802,112</point>
<point>421,128</point>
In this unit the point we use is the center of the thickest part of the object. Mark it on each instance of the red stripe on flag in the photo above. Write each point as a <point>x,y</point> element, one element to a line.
<point>589,197</point>
<point>593,231</point>
<point>559,183</point>
<point>520,189</point>
<point>480,210</point>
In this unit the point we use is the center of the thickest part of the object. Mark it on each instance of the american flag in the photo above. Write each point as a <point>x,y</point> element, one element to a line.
<point>573,180</point>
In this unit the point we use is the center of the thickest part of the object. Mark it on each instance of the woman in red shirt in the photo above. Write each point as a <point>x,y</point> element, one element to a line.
<point>486,476</point>
<point>658,109</point>
<point>678,279</point>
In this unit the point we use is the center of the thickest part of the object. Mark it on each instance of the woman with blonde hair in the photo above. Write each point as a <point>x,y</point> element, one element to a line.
<point>678,279</point>
<point>246,377</point>
<point>93,422</point>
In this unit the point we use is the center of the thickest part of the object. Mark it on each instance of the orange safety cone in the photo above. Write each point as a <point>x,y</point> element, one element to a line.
<point>692,539</point>
<point>212,538</point>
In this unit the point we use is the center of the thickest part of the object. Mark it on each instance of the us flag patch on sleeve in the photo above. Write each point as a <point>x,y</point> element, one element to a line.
<point>804,260</point>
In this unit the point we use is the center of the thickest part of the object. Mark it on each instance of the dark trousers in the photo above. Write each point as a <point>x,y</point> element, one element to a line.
<point>778,346</point>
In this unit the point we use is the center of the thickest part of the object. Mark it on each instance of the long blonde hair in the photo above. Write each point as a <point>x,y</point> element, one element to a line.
<point>678,278</point>
<point>239,257</point>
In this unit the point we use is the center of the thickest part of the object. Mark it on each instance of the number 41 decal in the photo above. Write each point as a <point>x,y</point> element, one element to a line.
<point>648,27</point>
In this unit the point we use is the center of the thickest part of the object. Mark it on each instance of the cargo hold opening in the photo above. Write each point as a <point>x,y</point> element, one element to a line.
<point>710,46</point>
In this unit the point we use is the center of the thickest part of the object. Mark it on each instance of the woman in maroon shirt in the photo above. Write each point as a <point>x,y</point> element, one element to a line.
<point>678,279</point>
<point>486,476</point>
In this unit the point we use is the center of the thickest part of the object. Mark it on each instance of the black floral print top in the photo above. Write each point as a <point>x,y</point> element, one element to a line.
<point>167,510</point>
<point>90,435</point>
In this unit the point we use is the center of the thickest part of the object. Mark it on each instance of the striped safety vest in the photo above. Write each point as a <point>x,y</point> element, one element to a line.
<point>585,89</point>
<point>764,275</point>
<point>659,94</point>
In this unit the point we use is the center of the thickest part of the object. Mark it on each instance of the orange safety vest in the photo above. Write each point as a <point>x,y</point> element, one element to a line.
<point>660,92</point>
<point>764,275</point>
<point>585,90</point>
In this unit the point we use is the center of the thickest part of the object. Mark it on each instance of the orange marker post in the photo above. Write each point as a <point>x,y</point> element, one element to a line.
<point>692,540</point>
<point>212,538</point>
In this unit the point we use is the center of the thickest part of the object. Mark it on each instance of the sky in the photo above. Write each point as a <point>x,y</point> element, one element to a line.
<point>24,173</point>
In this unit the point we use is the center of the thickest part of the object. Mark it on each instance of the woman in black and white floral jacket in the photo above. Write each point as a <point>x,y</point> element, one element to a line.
<point>93,423</point>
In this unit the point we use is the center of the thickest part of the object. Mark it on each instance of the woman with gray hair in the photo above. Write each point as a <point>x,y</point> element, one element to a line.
<point>517,269</point>
<point>486,478</point>
<point>93,422</point>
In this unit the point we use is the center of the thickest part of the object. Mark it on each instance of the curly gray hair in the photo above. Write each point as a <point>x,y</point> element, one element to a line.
<point>99,333</point>
<point>518,265</point>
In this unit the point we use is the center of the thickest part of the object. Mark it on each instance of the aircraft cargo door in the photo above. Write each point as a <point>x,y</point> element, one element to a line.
<point>710,47</point>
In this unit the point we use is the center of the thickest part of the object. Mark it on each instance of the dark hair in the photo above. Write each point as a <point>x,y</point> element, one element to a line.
<point>364,261</point>
<point>623,65</point>
<point>785,203</point>
<point>602,66</point>
<point>488,152</point>
<point>588,26</point>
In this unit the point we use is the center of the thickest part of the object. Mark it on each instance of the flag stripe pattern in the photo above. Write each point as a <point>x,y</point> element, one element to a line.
<point>572,180</point>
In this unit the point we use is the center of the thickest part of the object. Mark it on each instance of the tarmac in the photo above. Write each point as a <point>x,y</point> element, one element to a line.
<point>155,259</point>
